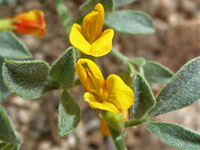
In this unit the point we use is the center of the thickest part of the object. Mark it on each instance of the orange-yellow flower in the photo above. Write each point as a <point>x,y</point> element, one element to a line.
<point>31,22</point>
<point>89,38</point>
<point>112,94</point>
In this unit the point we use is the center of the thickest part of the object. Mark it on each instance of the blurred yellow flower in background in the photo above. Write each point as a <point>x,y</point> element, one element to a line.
<point>31,22</point>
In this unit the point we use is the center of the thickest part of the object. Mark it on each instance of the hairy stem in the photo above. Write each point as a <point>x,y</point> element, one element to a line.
<point>117,138</point>
<point>64,15</point>
<point>131,123</point>
<point>119,55</point>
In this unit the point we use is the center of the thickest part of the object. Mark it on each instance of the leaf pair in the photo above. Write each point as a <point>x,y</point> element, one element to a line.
<point>10,48</point>
<point>144,99</point>
<point>181,91</point>
<point>31,79</point>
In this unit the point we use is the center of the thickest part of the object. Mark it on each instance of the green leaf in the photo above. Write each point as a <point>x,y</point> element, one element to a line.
<point>42,1</point>
<point>64,15</point>
<point>63,70</point>
<point>8,137</point>
<point>69,114</point>
<point>4,92</point>
<point>139,61</point>
<point>175,135</point>
<point>90,4</point>
<point>8,146</point>
<point>129,21</point>
<point>181,91</point>
<point>28,79</point>
<point>156,73</point>
<point>5,2</point>
<point>143,97</point>
<point>119,3</point>
<point>11,47</point>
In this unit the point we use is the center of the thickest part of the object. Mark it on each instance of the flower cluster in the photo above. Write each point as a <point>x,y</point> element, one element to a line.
<point>108,95</point>
<point>112,94</point>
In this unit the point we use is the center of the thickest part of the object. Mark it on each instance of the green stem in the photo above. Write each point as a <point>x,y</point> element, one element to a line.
<point>64,15</point>
<point>117,138</point>
<point>7,24</point>
<point>119,55</point>
<point>131,123</point>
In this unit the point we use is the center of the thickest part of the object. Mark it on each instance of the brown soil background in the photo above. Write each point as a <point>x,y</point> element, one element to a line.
<point>176,41</point>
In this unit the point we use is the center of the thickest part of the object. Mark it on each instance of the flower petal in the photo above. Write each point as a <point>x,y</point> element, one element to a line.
<point>104,128</point>
<point>90,75</point>
<point>31,22</point>
<point>103,44</point>
<point>95,104</point>
<point>93,23</point>
<point>119,93</point>
<point>77,39</point>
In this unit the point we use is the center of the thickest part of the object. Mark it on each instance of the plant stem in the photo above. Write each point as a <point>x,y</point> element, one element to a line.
<point>64,15</point>
<point>117,138</point>
<point>131,123</point>
<point>6,24</point>
<point>119,55</point>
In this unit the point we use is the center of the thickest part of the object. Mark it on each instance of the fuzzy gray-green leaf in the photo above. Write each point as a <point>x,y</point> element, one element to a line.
<point>4,92</point>
<point>90,4</point>
<point>8,137</point>
<point>156,73</point>
<point>63,70</point>
<point>11,47</point>
<point>6,2</point>
<point>28,79</point>
<point>69,114</point>
<point>175,135</point>
<point>119,3</point>
<point>143,97</point>
<point>129,21</point>
<point>139,61</point>
<point>181,91</point>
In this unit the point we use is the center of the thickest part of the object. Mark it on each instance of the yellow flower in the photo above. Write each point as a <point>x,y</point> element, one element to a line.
<point>111,94</point>
<point>89,38</point>
<point>104,128</point>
